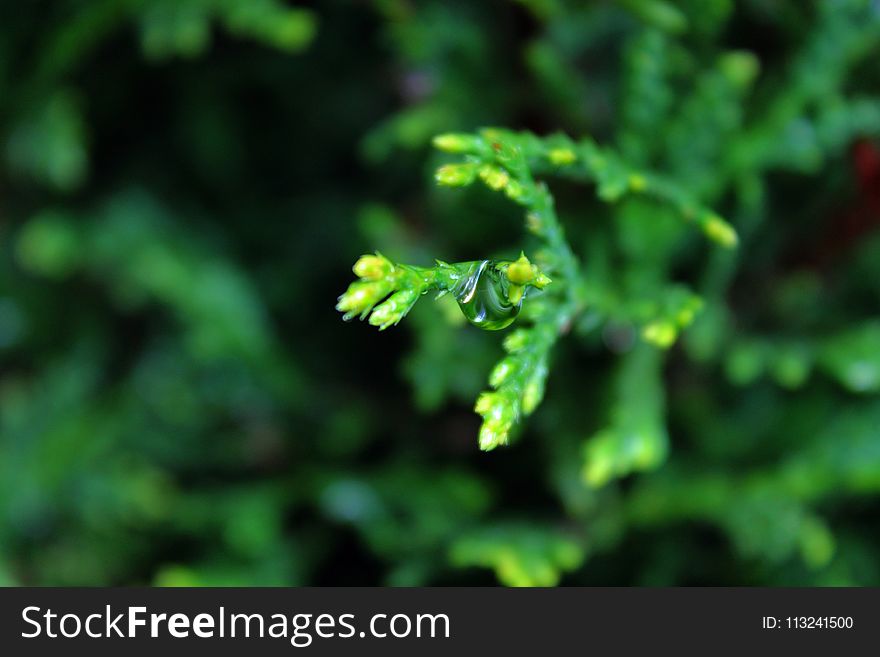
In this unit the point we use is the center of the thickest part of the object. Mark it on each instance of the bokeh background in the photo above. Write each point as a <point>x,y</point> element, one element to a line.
<point>184,185</point>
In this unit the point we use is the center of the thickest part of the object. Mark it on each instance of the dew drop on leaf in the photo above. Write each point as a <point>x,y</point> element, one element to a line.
<point>482,297</point>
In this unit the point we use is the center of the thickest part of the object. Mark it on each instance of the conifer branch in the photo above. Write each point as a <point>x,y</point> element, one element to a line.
<point>582,160</point>
<point>490,293</point>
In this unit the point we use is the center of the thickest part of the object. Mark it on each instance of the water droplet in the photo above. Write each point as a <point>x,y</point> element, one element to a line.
<point>482,297</point>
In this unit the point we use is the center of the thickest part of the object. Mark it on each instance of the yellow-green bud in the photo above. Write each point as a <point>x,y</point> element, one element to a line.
<point>456,175</point>
<point>534,223</point>
<point>514,190</point>
<point>532,395</point>
<point>637,182</point>
<point>361,296</point>
<point>516,341</point>
<point>492,434</point>
<point>494,177</point>
<point>393,309</point>
<point>372,267</point>
<point>500,372</point>
<point>660,333</point>
<point>484,403</point>
<point>521,271</point>
<point>456,143</point>
<point>515,293</point>
<point>561,156</point>
<point>541,280</point>
<point>720,231</point>
<point>599,462</point>
<point>499,415</point>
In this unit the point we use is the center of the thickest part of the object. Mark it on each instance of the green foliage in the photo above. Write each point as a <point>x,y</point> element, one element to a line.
<point>171,28</point>
<point>686,358</point>
<point>489,293</point>
<point>505,161</point>
<point>520,556</point>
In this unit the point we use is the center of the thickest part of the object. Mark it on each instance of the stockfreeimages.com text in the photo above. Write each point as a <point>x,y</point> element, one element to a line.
<point>299,629</point>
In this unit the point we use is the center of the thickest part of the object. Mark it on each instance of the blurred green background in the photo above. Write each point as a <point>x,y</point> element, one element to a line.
<point>184,185</point>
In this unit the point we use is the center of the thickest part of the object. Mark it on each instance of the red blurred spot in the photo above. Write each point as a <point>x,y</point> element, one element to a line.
<point>850,225</point>
<point>866,158</point>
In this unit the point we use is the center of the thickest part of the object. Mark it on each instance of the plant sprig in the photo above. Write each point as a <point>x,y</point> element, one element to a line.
<point>506,161</point>
<point>582,160</point>
<point>387,291</point>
